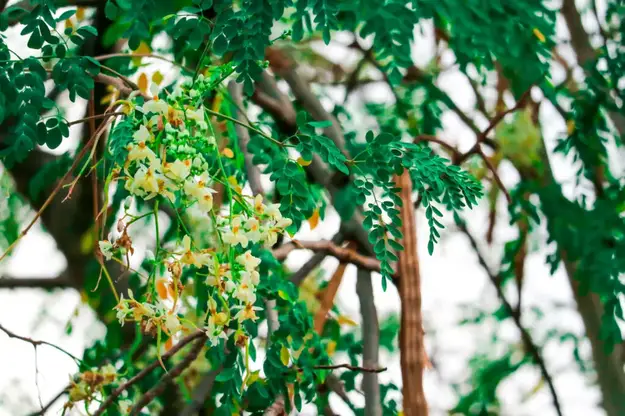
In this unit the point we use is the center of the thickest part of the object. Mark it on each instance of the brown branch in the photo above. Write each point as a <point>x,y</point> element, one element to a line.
<point>411,346</point>
<point>276,408</point>
<point>329,293</point>
<point>496,176</point>
<point>298,277</point>
<point>58,187</point>
<point>346,366</point>
<point>341,253</point>
<point>201,391</point>
<point>61,282</point>
<point>119,84</point>
<point>416,74</point>
<point>525,335</point>
<point>96,116</point>
<point>142,55</point>
<point>147,370</point>
<point>481,137</point>
<point>47,406</point>
<point>455,153</point>
<point>168,377</point>
<point>35,343</point>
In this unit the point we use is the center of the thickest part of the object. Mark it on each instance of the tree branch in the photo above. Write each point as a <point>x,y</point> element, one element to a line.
<point>328,295</point>
<point>318,170</point>
<point>348,367</point>
<point>61,282</point>
<point>168,377</point>
<point>298,277</point>
<point>45,408</point>
<point>370,343</point>
<point>525,335</point>
<point>147,370</point>
<point>201,391</point>
<point>585,52</point>
<point>343,254</point>
<point>35,343</point>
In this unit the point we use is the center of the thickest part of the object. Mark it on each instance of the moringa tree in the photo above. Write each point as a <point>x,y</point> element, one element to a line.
<point>213,129</point>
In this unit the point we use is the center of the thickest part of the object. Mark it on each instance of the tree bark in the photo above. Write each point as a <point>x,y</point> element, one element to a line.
<point>412,349</point>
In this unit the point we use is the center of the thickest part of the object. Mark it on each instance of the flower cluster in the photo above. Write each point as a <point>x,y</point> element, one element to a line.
<point>173,156</point>
<point>85,386</point>
<point>262,227</point>
<point>151,316</point>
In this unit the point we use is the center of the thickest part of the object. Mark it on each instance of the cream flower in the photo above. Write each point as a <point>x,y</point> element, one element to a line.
<point>179,169</point>
<point>145,178</point>
<point>236,235</point>
<point>273,211</point>
<point>247,312</point>
<point>197,116</point>
<point>140,151</point>
<point>122,310</point>
<point>248,261</point>
<point>109,372</point>
<point>195,187</point>
<point>270,237</point>
<point>205,201</point>
<point>253,276</point>
<point>253,230</point>
<point>192,258</point>
<point>154,90</point>
<point>142,135</point>
<point>259,207</point>
<point>215,332</point>
<point>245,291</point>
<point>283,223</point>
<point>172,323</point>
<point>217,274</point>
<point>125,406</point>
<point>156,106</point>
<point>166,187</point>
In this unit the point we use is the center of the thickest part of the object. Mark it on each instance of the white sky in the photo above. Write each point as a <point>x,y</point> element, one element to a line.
<point>451,278</point>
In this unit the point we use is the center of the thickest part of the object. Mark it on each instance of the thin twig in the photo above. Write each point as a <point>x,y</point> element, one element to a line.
<point>95,117</point>
<point>348,367</point>
<point>433,139</point>
<point>142,55</point>
<point>46,407</point>
<point>169,376</point>
<point>36,343</point>
<point>525,335</point>
<point>481,138</point>
<point>147,370</point>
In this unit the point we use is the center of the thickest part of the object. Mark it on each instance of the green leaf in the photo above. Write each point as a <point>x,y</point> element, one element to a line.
<point>320,124</point>
<point>225,375</point>
<point>110,10</point>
